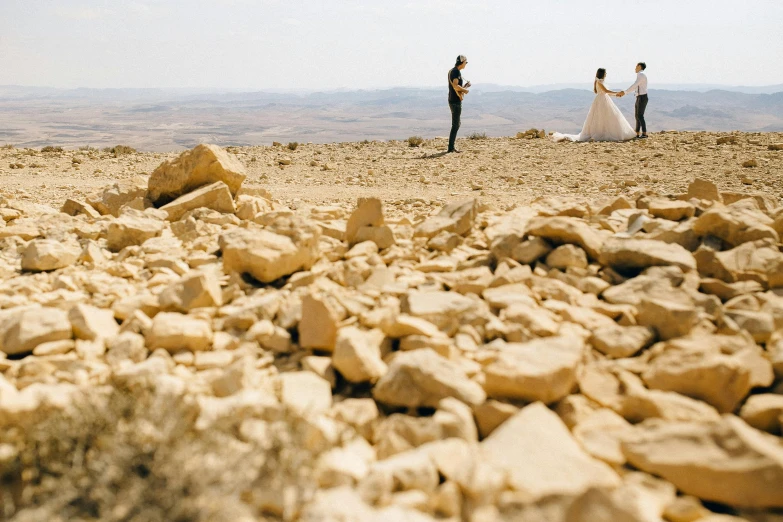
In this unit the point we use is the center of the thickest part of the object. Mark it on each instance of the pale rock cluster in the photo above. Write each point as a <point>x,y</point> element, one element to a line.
<point>617,361</point>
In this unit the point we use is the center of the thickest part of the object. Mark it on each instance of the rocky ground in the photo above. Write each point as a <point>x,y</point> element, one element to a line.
<point>527,331</point>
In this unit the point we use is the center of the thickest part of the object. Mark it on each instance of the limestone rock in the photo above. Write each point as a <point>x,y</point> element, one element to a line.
<point>215,197</point>
<point>567,256</point>
<point>764,412</point>
<point>668,319</point>
<point>423,378</point>
<point>123,193</point>
<point>625,254</point>
<point>619,342</point>
<point>703,189</point>
<point>381,236</point>
<point>203,165</point>
<point>42,255</point>
<point>195,290</point>
<point>737,223</point>
<point>92,323</point>
<point>74,207</point>
<point>23,331</point>
<point>265,255</point>
<point>492,414</point>
<point>368,213</point>
<point>671,210</point>
<point>720,370</point>
<point>305,392</point>
<point>319,324</point>
<point>357,354</point>
<point>531,250</point>
<point>725,461</point>
<point>569,230</point>
<point>132,228</point>
<point>541,370</point>
<point>457,218</point>
<point>443,309</point>
<point>174,332</point>
<point>542,458</point>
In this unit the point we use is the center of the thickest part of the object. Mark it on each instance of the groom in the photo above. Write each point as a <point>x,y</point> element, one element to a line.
<point>640,89</point>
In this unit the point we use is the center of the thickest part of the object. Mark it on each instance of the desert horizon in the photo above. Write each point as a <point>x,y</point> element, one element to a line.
<point>167,120</point>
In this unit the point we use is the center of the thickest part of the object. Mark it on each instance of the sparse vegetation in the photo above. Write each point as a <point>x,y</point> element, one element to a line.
<point>51,148</point>
<point>293,145</point>
<point>88,148</point>
<point>477,136</point>
<point>119,150</point>
<point>7,146</point>
<point>415,141</point>
<point>138,456</point>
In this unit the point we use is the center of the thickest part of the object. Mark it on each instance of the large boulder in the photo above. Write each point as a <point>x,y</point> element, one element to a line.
<point>725,461</point>
<point>540,370</point>
<point>541,456</point>
<point>266,255</point>
<point>195,290</point>
<point>737,223</point>
<point>423,378</point>
<point>132,228</point>
<point>759,261</point>
<point>203,165</point>
<point>41,255</point>
<point>124,193</point>
<point>215,196</point>
<point>720,370</point>
<point>357,354</point>
<point>21,332</point>
<point>175,332</point>
<point>457,218</point>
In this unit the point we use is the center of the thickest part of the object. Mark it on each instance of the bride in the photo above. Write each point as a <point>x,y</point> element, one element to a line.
<point>604,122</point>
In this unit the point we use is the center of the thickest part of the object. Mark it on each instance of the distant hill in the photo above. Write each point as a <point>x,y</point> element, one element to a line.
<point>157,119</point>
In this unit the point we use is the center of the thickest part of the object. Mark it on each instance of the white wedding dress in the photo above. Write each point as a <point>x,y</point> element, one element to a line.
<point>604,122</point>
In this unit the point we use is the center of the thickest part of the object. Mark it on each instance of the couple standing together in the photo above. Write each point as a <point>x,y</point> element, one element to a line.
<point>604,121</point>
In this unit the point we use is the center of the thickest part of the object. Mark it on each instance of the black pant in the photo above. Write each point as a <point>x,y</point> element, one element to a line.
<point>641,106</point>
<point>456,113</point>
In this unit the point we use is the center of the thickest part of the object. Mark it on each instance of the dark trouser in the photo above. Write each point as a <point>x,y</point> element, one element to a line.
<point>641,106</point>
<point>456,113</point>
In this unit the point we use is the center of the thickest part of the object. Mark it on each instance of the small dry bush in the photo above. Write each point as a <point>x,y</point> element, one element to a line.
<point>478,136</point>
<point>51,148</point>
<point>119,150</point>
<point>415,141</point>
<point>293,145</point>
<point>137,457</point>
<point>88,148</point>
<point>7,146</point>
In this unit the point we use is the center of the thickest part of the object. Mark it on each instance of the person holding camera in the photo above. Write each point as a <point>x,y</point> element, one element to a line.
<point>457,92</point>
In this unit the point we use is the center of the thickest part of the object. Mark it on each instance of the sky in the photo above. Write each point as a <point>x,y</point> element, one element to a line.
<point>320,45</point>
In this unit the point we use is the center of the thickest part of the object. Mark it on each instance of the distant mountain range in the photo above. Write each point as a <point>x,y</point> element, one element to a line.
<point>166,119</point>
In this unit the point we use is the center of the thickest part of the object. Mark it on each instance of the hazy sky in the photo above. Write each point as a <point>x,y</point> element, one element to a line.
<point>257,44</point>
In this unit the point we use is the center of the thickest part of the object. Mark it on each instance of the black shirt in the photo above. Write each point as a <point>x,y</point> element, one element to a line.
<point>454,73</point>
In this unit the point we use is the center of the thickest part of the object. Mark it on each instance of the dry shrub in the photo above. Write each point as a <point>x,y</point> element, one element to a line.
<point>118,456</point>
<point>51,148</point>
<point>477,136</point>
<point>415,141</point>
<point>7,146</point>
<point>119,150</point>
<point>293,145</point>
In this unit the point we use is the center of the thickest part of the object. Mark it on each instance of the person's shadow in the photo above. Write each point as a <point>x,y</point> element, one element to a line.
<point>434,156</point>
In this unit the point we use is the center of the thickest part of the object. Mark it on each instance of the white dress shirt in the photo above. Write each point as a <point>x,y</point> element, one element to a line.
<point>640,85</point>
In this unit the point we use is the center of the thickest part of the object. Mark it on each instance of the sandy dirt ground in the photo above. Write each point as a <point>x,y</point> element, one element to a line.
<point>502,171</point>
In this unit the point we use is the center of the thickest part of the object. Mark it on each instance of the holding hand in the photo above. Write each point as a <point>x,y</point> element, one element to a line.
<point>621,94</point>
